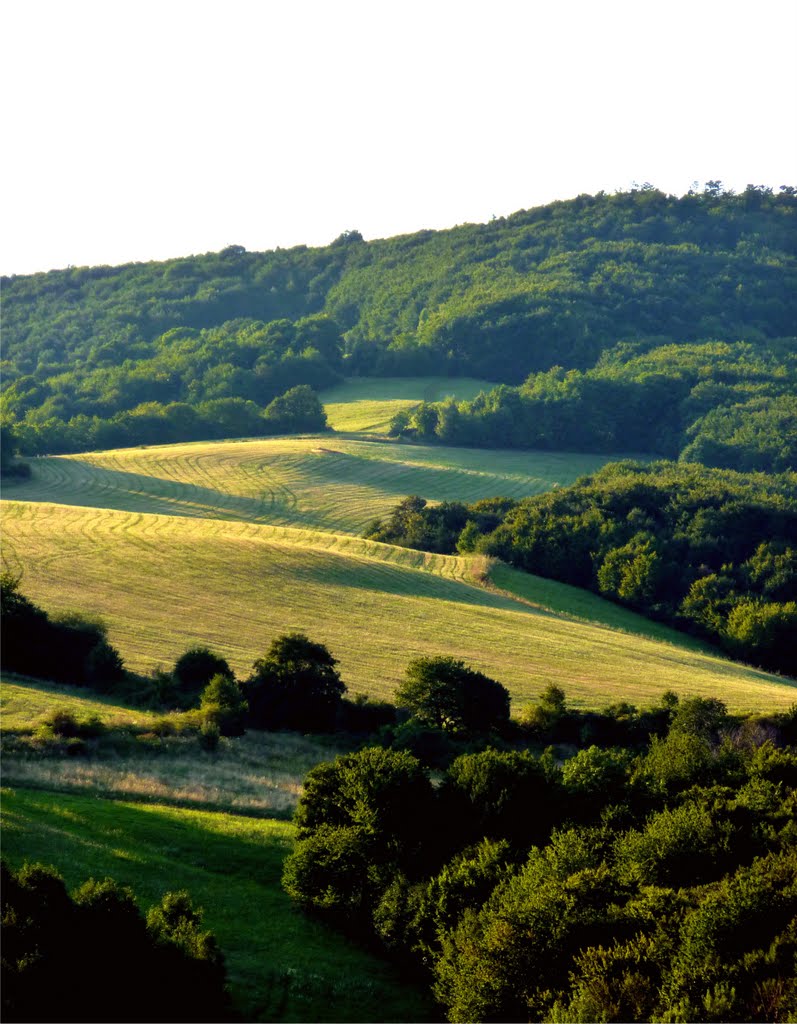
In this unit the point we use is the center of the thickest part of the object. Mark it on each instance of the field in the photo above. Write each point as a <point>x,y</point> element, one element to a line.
<point>281,965</point>
<point>367,405</point>
<point>163,583</point>
<point>325,482</point>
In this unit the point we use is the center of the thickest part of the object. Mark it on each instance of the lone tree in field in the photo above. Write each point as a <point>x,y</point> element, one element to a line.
<point>295,686</point>
<point>445,693</point>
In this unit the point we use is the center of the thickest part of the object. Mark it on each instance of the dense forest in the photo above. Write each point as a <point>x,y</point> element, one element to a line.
<point>710,551</point>
<point>616,885</point>
<point>676,310</point>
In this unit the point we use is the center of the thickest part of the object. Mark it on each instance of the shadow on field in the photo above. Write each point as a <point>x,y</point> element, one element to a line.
<point>281,965</point>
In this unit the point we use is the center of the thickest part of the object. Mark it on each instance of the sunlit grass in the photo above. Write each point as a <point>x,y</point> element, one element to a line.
<point>25,702</point>
<point>368,404</point>
<point>281,965</point>
<point>324,482</point>
<point>164,583</point>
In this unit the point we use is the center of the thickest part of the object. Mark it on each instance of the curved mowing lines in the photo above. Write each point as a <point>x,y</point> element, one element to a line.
<point>327,482</point>
<point>164,583</point>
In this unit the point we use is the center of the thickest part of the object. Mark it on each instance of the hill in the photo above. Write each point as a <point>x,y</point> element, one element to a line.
<point>163,583</point>
<point>98,357</point>
<point>320,482</point>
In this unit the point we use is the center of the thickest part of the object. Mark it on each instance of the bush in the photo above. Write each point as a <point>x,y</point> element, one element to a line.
<point>93,957</point>
<point>194,670</point>
<point>224,704</point>
<point>295,686</point>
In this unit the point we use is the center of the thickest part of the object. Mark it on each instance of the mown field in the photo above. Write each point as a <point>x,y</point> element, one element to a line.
<point>281,965</point>
<point>324,482</point>
<point>163,583</point>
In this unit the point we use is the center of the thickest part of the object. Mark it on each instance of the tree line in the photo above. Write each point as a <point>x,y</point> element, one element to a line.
<point>731,406</point>
<point>710,551</point>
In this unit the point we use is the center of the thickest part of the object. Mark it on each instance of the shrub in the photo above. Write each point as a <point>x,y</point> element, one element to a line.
<point>444,693</point>
<point>193,670</point>
<point>93,957</point>
<point>224,704</point>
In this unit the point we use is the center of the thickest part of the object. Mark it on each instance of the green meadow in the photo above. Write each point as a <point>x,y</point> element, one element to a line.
<point>368,404</point>
<point>281,965</point>
<point>164,583</point>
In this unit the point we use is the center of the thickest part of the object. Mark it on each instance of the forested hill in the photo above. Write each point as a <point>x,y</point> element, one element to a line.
<point>552,286</point>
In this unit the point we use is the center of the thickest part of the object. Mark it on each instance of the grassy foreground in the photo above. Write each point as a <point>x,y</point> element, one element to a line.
<point>163,583</point>
<point>282,966</point>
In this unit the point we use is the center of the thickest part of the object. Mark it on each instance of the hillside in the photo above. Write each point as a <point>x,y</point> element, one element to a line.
<point>105,356</point>
<point>320,482</point>
<point>163,583</point>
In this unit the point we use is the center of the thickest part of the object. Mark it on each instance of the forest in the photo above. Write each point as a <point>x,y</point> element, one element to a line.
<point>678,310</point>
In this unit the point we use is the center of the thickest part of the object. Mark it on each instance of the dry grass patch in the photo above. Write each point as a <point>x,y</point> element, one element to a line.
<point>257,774</point>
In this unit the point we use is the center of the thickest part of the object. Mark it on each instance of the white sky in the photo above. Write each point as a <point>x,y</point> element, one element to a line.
<point>136,131</point>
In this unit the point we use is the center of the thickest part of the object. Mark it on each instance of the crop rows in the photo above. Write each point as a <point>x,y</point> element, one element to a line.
<point>322,483</point>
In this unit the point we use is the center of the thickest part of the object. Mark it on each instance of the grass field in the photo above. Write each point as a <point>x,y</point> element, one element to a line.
<point>229,544</point>
<point>164,583</point>
<point>281,965</point>
<point>322,482</point>
<point>25,702</point>
<point>367,404</point>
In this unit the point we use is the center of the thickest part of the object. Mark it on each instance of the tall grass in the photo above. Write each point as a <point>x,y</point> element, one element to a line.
<point>257,774</point>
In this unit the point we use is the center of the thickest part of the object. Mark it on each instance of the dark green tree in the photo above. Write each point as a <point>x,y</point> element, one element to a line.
<point>295,686</point>
<point>194,669</point>
<point>443,692</point>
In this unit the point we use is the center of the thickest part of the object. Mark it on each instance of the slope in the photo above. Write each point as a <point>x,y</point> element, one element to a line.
<point>325,482</point>
<point>165,582</point>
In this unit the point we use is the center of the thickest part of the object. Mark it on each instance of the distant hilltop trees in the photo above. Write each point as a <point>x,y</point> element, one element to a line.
<point>95,356</point>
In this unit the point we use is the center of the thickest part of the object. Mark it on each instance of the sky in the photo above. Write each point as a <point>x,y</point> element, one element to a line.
<point>149,130</point>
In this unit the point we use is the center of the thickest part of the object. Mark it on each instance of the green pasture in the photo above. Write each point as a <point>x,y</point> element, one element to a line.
<point>25,702</point>
<point>368,404</point>
<point>164,583</point>
<point>282,966</point>
<point>324,482</point>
